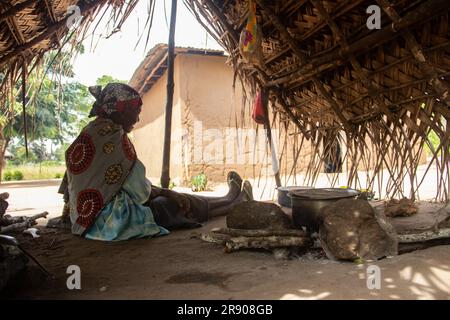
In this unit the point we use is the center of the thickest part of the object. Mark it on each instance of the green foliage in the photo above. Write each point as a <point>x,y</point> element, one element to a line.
<point>366,194</point>
<point>34,171</point>
<point>7,176</point>
<point>56,110</point>
<point>105,79</point>
<point>172,185</point>
<point>199,182</point>
<point>17,175</point>
<point>59,153</point>
<point>58,175</point>
<point>434,140</point>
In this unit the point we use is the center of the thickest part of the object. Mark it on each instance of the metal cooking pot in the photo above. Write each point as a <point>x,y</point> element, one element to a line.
<point>283,198</point>
<point>307,204</point>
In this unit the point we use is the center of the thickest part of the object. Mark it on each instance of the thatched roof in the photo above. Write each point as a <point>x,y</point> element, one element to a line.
<point>329,76</point>
<point>29,28</point>
<point>155,64</point>
<point>327,72</point>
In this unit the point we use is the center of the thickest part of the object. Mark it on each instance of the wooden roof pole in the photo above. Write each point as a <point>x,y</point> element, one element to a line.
<point>165,172</point>
<point>292,43</point>
<point>427,68</point>
<point>150,76</point>
<point>24,103</point>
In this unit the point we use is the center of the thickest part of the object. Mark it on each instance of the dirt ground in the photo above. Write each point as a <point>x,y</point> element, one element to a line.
<point>179,266</point>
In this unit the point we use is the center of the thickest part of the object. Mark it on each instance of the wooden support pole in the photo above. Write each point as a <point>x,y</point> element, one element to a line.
<point>165,173</point>
<point>24,103</point>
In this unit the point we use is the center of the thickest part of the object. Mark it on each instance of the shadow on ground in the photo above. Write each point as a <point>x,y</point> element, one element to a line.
<point>178,266</point>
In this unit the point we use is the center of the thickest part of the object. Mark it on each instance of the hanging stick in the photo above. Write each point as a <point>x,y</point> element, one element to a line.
<point>24,102</point>
<point>275,164</point>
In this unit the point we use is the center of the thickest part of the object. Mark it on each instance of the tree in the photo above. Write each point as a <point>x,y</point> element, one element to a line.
<point>105,79</point>
<point>54,107</point>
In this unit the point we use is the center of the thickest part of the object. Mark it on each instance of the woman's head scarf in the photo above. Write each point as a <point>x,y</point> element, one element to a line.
<point>115,97</point>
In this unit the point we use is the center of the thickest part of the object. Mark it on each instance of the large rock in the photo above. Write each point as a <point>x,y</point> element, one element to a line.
<point>251,215</point>
<point>350,229</point>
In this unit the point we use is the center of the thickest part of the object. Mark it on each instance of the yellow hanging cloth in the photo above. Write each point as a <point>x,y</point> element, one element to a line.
<point>250,38</point>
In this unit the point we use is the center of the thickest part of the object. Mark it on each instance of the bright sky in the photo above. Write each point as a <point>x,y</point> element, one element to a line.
<point>117,55</point>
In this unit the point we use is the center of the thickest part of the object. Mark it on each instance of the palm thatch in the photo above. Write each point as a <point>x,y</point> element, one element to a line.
<point>330,76</point>
<point>29,28</point>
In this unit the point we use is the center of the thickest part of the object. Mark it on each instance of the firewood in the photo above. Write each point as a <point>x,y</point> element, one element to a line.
<point>259,233</point>
<point>424,236</point>
<point>214,237</point>
<point>31,221</point>
<point>236,243</point>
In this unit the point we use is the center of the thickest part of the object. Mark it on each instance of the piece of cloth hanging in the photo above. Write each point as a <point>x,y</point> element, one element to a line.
<point>250,38</point>
<point>258,112</point>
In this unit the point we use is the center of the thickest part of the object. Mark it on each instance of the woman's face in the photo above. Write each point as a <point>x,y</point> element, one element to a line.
<point>127,119</point>
<point>130,119</point>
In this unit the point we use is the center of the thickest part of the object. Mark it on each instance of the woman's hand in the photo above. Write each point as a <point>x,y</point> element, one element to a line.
<point>155,192</point>
<point>181,199</point>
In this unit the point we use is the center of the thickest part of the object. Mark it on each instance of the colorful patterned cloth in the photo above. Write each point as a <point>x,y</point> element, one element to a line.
<point>125,217</point>
<point>115,97</point>
<point>98,163</point>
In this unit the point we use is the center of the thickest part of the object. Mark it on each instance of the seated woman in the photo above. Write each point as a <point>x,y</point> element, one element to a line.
<point>107,195</point>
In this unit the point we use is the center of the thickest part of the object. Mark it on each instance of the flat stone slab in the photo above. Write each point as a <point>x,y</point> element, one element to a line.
<point>432,221</point>
<point>428,218</point>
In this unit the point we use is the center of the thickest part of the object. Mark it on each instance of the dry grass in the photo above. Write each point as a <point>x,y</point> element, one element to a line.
<point>34,171</point>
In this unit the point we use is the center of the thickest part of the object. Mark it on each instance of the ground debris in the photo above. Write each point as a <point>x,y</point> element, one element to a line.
<point>400,208</point>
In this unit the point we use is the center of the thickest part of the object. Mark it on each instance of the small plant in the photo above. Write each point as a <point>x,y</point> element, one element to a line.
<point>58,176</point>
<point>199,182</point>
<point>172,185</point>
<point>366,194</point>
<point>17,175</point>
<point>7,176</point>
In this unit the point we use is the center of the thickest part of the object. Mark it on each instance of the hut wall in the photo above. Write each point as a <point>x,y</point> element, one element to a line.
<point>148,134</point>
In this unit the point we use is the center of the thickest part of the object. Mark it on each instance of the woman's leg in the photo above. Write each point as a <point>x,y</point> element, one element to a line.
<point>235,185</point>
<point>168,214</point>
<point>245,195</point>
